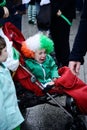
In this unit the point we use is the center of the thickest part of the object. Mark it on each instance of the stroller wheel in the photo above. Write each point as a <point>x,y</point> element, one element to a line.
<point>70,126</point>
<point>77,124</point>
<point>71,106</point>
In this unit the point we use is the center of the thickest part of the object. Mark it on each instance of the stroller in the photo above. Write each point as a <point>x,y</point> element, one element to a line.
<point>30,91</point>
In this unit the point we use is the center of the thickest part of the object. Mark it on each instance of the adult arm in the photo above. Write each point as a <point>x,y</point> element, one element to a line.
<point>80,44</point>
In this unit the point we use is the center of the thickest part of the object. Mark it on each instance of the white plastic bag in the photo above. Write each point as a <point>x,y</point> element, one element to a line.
<point>25,1</point>
<point>44,2</point>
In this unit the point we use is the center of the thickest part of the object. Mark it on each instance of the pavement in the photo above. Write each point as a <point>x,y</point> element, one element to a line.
<point>45,116</point>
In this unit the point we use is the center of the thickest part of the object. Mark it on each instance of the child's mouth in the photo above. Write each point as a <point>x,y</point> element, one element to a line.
<point>42,60</point>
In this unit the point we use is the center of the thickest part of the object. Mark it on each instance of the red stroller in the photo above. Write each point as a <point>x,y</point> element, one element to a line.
<point>29,89</point>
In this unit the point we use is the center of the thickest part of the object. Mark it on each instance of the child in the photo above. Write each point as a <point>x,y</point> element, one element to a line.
<point>32,12</point>
<point>10,116</point>
<point>37,49</point>
<point>39,62</point>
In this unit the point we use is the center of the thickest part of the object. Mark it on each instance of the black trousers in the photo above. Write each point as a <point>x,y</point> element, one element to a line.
<point>60,32</point>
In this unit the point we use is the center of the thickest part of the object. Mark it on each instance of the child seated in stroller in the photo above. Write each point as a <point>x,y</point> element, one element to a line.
<point>37,49</point>
<point>39,62</point>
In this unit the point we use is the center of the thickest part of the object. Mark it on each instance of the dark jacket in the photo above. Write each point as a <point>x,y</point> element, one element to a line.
<point>32,2</point>
<point>80,44</point>
<point>66,6</point>
<point>1,12</point>
<point>38,1</point>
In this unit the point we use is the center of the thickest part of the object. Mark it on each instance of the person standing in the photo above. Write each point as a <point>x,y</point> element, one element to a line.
<point>10,116</point>
<point>37,3</point>
<point>79,49</point>
<point>60,29</point>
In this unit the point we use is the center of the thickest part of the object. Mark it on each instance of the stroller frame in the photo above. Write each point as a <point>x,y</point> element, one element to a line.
<point>70,109</point>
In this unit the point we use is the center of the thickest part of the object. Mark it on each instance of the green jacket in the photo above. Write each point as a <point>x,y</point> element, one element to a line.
<point>43,72</point>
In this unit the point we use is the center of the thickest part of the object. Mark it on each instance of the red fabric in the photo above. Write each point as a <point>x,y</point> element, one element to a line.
<point>24,78</point>
<point>74,87</point>
<point>14,34</point>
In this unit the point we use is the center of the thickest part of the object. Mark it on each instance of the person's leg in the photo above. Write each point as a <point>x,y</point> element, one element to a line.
<point>60,34</point>
<point>34,14</point>
<point>37,7</point>
<point>29,13</point>
<point>64,44</point>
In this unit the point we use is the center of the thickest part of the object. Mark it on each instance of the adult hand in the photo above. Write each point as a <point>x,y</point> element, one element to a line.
<point>59,13</point>
<point>6,12</point>
<point>74,67</point>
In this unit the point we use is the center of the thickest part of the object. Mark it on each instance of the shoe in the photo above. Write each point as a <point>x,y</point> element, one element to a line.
<point>30,21</point>
<point>34,22</point>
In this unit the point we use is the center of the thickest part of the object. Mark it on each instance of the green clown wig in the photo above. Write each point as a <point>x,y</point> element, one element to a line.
<point>37,42</point>
<point>2,3</point>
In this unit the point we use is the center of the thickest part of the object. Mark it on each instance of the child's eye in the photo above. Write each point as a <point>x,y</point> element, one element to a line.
<point>40,53</point>
<point>44,52</point>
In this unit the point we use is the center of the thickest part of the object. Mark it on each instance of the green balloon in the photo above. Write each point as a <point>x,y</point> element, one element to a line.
<point>62,16</point>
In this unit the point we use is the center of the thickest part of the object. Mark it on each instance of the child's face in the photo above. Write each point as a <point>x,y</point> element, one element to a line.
<point>4,55</point>
<point>40,55</point>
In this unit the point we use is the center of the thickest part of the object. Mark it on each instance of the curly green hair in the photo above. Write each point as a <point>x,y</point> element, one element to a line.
<point>46,43</point>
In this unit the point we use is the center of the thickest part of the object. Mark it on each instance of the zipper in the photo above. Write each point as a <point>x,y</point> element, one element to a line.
<point>44,73</point>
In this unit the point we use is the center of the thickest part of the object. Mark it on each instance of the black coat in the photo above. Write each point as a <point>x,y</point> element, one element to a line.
<point>1,12</point>
<point>80,44</point>
<point>60,29</point>
<point>66,6</point>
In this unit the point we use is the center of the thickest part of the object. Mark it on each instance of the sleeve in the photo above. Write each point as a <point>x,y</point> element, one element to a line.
<point>53,68</point>
<point>80,44</point>
<point>2,112</point>
<point>66,4</point>
<point>1,12</point>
